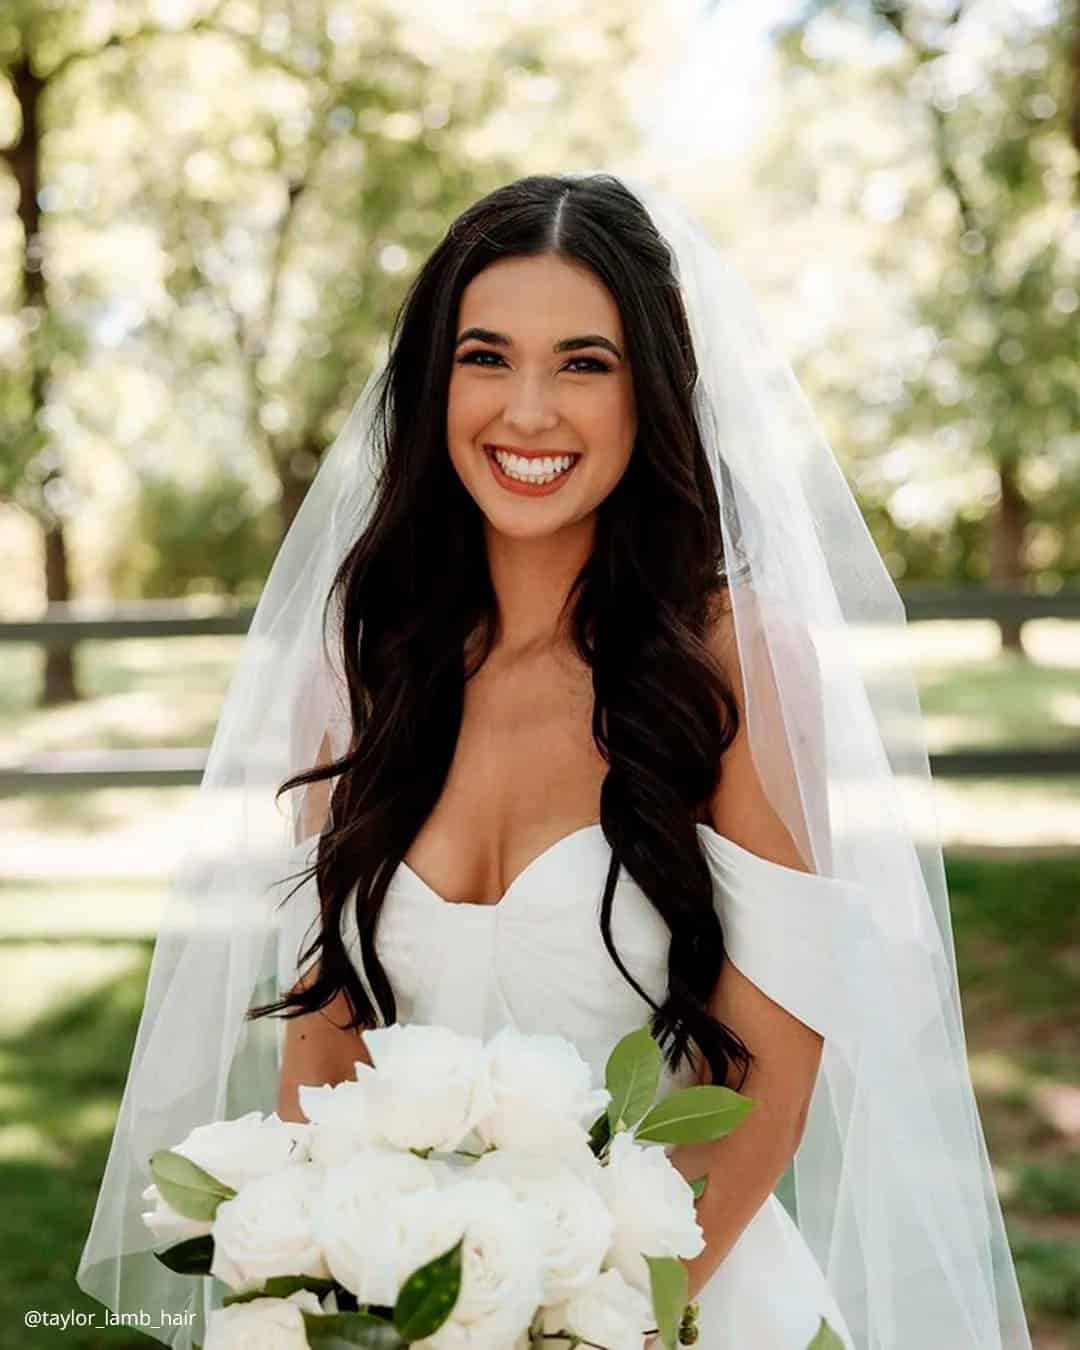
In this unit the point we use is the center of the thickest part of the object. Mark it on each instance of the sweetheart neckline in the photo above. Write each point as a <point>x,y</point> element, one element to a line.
<point>494,904</point>
<point>565,839</point>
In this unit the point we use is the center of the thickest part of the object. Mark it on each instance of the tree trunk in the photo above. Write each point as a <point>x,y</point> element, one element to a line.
<point>294,488</point>
<point>1007,547</point>
<point>59,684</point>
<point>24,156</point>
<point>1074,85</point>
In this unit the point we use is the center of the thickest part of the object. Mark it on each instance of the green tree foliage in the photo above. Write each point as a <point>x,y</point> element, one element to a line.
<point>209,539</point>
<point>980,228</point>
<point>231,208</point>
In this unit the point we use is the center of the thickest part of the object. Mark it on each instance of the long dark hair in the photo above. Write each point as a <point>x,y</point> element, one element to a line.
<point>414,591</point>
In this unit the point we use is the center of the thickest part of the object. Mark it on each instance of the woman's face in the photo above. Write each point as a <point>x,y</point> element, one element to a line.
<point>540,365</point>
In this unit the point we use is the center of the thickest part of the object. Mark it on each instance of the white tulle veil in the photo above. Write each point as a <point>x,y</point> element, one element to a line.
<point>893,1190</point>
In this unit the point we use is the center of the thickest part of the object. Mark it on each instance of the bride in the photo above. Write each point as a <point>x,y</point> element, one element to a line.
<point>578,653</point>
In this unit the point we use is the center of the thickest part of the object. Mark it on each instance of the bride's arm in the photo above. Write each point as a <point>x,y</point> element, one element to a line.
<point>745,1166</point>
<point>319,1048</point>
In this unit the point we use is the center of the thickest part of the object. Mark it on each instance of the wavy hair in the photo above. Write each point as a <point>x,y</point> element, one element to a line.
<point>414,592</point>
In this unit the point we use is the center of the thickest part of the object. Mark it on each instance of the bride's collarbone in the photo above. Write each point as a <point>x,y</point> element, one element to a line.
<point>525,773</point>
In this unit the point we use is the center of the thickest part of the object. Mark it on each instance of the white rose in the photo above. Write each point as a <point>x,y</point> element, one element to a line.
<point>544,1097</point>
<point>265,1230</point>
<point>578,1227</point>
<point>262,1324</point>
<point>353,1219</point>
<point>502,1278</point>
<point>235,1152</point>
<point>341,1120</point>
<point>608,1312</point>
<point>429,1086</point>
<point>449,1169</point>
<point>526,1127</point>
<point>239,1151</point>
<point>653,1208</point>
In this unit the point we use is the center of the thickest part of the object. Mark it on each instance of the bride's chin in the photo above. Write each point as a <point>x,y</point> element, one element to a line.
<point>511,526</point>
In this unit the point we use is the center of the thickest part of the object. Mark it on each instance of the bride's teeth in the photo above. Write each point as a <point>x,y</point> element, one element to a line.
<point>534,471</point>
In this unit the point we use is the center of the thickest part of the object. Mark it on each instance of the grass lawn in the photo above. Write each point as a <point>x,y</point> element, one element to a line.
<point>1017,927</point>
<point>68,1014</point>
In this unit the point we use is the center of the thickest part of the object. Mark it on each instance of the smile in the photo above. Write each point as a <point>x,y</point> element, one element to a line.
<point>530,475</point>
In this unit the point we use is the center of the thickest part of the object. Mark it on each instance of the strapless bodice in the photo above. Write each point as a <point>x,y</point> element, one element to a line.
<point>537,958</point>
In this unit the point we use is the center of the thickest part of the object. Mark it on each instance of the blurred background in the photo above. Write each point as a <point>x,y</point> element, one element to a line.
<point>208,215</point>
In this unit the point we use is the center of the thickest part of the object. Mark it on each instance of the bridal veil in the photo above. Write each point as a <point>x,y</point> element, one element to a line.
<point>893,1190</point>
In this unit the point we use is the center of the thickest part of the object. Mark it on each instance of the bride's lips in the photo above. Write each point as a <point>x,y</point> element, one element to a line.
<point>529,489</point>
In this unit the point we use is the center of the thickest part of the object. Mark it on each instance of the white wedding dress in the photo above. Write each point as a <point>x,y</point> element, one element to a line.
<point>536,959</point>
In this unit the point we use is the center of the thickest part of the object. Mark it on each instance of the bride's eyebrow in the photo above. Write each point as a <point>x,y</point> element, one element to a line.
<point>571,344</point>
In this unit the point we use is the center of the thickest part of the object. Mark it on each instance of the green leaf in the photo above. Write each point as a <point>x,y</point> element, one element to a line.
<point>190,1257</point>
<point>281,1286</point>
<point>600,1134</point>
<point>698,1186</point>
<point>826,1339</point>
<point>669,1283</point>
<point>185,1187</point>
<point>428,1296</point>
<point>631,1076</point>
<point>694,1115</point>
<point>341,1331</point>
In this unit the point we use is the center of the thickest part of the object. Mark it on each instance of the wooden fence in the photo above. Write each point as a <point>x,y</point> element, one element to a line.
<point>65,625</point>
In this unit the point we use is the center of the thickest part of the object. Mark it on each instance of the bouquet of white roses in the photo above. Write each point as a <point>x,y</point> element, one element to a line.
<point>460,1195</point>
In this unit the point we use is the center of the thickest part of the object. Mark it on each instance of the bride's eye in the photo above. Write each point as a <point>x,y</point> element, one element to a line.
<point>471,358</point>
<point>590,362</point>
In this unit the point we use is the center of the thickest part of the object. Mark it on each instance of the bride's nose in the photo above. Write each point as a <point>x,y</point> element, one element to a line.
<point>531,406</point>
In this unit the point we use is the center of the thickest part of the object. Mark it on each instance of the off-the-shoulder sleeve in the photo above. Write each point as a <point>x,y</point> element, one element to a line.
<point>890,1188</point>
<point>796,935</point>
